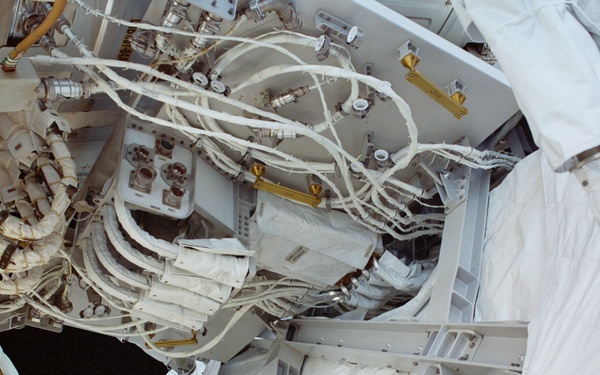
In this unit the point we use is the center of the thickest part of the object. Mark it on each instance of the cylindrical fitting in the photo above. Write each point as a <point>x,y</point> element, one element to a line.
<point>176,171</point>
<point>31,22</point>
<point>286,11</point>
<point>144,42</point>
<point>382,157</point>
<point>174,195</point>
<point>200,79</point>
<point>143,176</point>
<point>209,24</point>
<point>141,154</point>
<point>175,13</point>
<point>323,47</point>
<point>52,89</point>
<point>290,96</point>
<point>360,108</point>
<point>219,87</point>
<point>165,147</point>
<point>44,8</point>
<point>278,134</point>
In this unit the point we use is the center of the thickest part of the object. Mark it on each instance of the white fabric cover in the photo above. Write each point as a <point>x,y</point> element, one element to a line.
<point>187,280</point>
<point>307,243</point>
<point>541,263</point>
<point>278,254</point>
<point>402,277</point>
<point>553,65</point>
<point>171,312</point>
<point>16,228</point>
<point>226,269</point>
<point>183,297</point>
<point>225,246</point>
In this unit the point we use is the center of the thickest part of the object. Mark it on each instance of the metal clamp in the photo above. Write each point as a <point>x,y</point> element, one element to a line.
<point>313,200</point>
<point>337,28</point>
<point>452,100</point>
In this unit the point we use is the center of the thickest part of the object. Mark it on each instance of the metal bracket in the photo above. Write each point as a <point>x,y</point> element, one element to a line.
<point>259,170</point>
<point>367,148</point>
<point>175,343</point>
<point>223,8</point>
<point>454,187</point>
<point>339,29</point>
<point>451,101</point>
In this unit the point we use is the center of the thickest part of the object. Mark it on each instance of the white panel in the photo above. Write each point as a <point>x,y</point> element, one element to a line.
<point>18,88</point>
<point>216,196</point>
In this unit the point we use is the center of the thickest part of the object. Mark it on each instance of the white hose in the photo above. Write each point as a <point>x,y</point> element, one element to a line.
<point>40,252</point>
<point>296,39</point>
<point>22,283</point>
<point>161,247</point>
<point>124,248</point>
<point>63,157</point>
<point>95,274</point>
<point>380,86</point>
<point>37,196</point>
<point>17,229</point>
<point>26,212</point>
<point>111,264</point>
<point>51,175</point>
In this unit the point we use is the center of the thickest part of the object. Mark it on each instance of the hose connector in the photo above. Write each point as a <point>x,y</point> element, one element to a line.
<point>286,11</point>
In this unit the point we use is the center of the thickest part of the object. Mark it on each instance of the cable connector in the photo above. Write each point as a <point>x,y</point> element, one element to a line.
<point>9,64</point>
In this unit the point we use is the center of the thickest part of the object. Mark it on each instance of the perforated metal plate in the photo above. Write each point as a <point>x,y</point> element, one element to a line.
<point>223,8</point>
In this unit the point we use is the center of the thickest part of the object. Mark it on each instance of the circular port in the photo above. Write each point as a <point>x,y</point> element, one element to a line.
<point>165,147</point>
<point>141,154</point>
<point>143,176</point>
<point>176,171</point>
<point>177,191</point>
<point>218,87</point>
<point>174,196</point>
<point>360,104</point>
<point>381,155</point>
<point>200,79</point>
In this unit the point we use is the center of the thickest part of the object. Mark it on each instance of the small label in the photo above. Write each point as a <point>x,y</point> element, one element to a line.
<point>125,51</point>
<point>296,254</point>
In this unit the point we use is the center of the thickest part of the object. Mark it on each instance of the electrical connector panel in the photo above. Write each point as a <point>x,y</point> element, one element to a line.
<point>157,173</point>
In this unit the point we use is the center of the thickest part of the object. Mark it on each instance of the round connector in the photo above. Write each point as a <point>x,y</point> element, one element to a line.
<point>381,155</point>
<point>176,171</point>
<point>174,195</point>
<point>165,147</point>
<point>218,87</point>
<point>200,79</point>
<point>143,176</point>
<point>141,154</point>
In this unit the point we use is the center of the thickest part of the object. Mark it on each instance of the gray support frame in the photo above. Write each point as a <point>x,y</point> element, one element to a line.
<point>457,276</point>
<point>414,348</point>
<point>450,343</point>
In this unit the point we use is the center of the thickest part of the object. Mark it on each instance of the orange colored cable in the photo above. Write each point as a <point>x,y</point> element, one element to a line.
<point>10,63</point>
